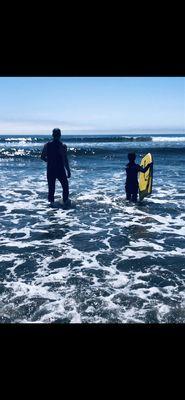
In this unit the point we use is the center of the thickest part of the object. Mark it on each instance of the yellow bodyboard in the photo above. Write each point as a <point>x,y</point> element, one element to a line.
<point>145,179</point>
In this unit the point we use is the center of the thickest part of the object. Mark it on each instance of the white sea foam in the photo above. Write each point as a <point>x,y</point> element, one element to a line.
<point>144,243</point>
<point>168,139</point>
<point>121,281</point>
<point>18,139</point>
<point>76,285</point>
<point>7,257</point>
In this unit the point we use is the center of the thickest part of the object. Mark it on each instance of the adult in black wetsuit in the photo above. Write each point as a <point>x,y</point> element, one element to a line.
<point>55,154</point>
<point>131,185</point>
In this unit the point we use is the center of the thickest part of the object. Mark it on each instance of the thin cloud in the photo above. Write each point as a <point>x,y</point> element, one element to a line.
<point>30,124</point>
<point>13,125</point>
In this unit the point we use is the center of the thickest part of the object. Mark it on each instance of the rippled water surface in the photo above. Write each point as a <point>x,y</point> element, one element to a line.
<point>103,259</point>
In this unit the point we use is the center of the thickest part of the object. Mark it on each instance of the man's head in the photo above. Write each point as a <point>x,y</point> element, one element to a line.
<point>131,157</point>
<point>56,133</point>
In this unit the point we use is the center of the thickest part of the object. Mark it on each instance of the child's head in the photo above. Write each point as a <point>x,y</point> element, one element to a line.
<point>131,157</point>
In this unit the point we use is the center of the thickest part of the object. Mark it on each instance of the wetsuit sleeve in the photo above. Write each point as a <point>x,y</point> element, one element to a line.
<point>66,163</point>
<point>141,169</point>
<point>44,153</point>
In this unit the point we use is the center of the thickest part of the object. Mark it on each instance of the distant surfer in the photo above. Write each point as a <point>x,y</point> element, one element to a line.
<point>55,154</point>
<point>131,185</point>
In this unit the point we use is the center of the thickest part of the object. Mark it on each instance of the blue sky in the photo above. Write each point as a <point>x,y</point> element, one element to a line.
<point>37,105</point>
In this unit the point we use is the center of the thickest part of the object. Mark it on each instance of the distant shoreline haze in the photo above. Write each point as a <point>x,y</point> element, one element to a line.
<point>97,132</point>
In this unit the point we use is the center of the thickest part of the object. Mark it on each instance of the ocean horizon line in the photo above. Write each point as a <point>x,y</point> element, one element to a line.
<point>102,132</point>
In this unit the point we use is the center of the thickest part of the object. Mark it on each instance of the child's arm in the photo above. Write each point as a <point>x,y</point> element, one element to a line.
<point>141,169</point>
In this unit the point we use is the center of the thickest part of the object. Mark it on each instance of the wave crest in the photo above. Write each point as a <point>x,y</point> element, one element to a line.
<point>77,139</point>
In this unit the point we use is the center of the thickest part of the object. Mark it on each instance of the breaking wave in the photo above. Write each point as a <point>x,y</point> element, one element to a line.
<point>77,139</point>
<point>105,152</point>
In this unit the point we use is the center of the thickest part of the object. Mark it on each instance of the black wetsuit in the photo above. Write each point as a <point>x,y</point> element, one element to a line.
<point>55,154</point>
<point>131,185</point>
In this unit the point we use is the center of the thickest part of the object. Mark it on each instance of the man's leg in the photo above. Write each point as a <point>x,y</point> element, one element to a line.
<point>65,186</point>
<point>51,187</point>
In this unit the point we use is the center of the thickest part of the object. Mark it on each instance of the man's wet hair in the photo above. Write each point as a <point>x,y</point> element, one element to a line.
<point>56,133</point>
<point>131,157</point>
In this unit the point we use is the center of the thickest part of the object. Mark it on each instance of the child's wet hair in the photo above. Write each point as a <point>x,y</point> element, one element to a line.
<point>131,156</point>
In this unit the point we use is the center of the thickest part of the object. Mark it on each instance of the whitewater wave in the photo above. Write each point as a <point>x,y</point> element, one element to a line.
<point>84,151</point>
<point>168,139</point>
<point>101,261</point>
<point>77,139</point>
<point>17,139</point>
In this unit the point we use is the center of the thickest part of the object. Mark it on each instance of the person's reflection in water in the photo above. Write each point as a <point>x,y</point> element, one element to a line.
<point>55,154</point>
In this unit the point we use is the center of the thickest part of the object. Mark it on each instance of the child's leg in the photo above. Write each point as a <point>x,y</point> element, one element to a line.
<point>128,196</point>
<point>134,197</point>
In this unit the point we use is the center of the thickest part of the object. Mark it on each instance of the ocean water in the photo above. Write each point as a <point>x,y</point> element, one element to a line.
<point>103,260</point>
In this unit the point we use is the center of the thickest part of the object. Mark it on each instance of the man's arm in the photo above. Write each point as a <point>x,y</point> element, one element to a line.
<point>44,153</point>
<point>66,163</point>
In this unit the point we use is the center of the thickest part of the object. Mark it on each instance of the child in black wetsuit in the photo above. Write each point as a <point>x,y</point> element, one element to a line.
<point>131,185</point>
